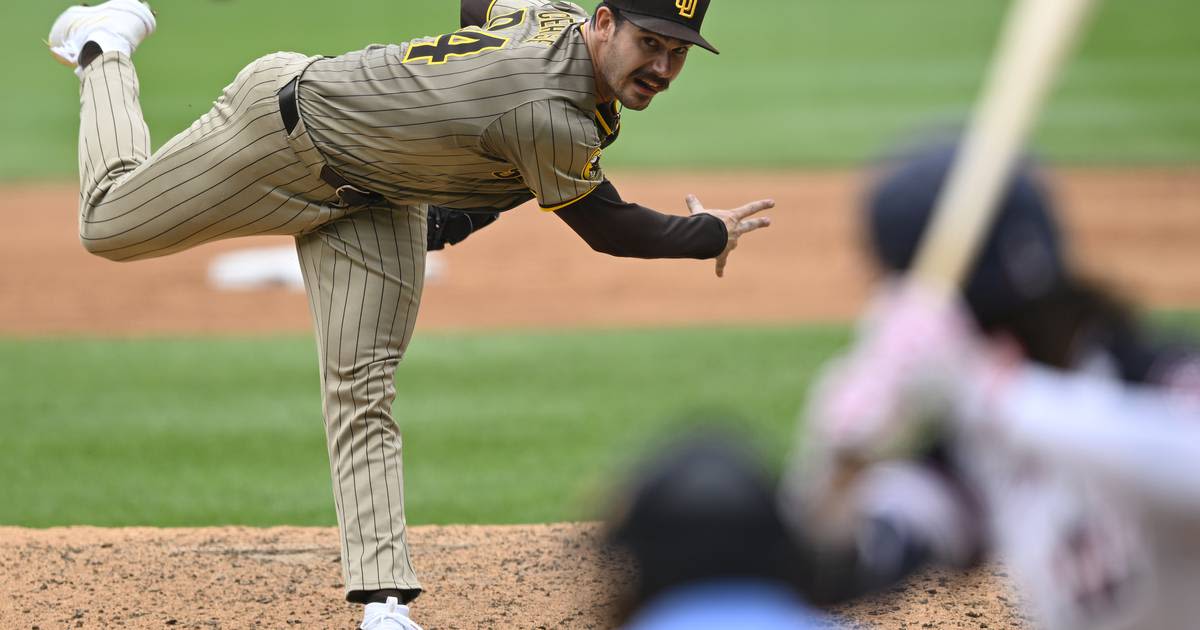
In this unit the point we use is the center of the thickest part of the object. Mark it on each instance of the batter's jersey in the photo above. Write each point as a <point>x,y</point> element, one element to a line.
<point>482,118</point>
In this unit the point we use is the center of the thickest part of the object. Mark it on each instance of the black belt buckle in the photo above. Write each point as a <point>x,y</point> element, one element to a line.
<point>288,108</point>
<point>354,197</point>
<point>350,195</point>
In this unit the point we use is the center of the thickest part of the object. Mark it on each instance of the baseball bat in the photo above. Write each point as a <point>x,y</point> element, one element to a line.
<point>1034,45</point>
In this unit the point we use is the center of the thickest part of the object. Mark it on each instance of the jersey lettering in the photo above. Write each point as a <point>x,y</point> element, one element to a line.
<point>464,43</point>
<point>551,24</point>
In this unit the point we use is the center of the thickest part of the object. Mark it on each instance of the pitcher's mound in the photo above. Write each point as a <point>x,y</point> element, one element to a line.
<point>512,577</point>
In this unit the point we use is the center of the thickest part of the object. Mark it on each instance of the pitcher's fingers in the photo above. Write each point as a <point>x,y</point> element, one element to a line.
<point>749,225</point>
<point>752,207</point>
<point>723,259</point>
<point>693,204</point>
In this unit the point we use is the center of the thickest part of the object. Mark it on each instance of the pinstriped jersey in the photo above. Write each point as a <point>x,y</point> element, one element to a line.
<point>486,117</point>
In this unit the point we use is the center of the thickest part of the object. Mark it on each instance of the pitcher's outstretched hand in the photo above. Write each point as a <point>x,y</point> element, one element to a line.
<point>736,223</point>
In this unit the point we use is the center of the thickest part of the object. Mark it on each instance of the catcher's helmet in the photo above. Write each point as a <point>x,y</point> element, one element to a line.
<point>704,509</point>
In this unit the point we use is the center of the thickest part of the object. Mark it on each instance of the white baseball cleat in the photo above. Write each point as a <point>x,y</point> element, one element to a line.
<point>389,616</point>
<point>115,26</point>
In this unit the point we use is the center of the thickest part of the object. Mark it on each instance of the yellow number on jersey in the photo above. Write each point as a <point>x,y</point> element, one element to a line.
<point>468,41</point>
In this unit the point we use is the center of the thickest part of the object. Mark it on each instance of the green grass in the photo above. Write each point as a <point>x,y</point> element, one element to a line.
<point>800,82</point>
<point>498,428</point>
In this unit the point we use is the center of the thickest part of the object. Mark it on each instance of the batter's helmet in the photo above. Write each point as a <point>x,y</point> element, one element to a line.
<point>1022,258</point>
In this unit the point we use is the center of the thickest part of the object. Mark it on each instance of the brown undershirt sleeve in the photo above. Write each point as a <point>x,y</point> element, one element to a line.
<point>616,227</point>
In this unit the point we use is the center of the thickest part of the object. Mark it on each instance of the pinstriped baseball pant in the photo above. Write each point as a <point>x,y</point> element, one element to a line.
<point>237,172</point>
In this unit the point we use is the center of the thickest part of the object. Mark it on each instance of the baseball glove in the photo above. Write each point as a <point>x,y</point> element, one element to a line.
<point>450,227</point>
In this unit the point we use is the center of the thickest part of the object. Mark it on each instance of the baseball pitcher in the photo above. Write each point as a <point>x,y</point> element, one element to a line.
<point>347,153</point>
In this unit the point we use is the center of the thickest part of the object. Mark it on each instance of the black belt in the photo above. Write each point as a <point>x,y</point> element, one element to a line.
<point>288,106</point>
<point>352,196</point>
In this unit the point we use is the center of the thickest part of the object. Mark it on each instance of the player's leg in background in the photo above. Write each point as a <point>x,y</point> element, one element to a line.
<point>364,274</point>
<point>234,172</point>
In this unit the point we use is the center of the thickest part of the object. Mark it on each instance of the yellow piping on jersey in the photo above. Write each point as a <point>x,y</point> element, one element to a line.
<point>604,125</point>
<point>564,205</point>
<point>487,16</point>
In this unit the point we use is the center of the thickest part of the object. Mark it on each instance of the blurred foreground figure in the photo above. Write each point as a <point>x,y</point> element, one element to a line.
<point>1034,420</point>
<point>701,522</point>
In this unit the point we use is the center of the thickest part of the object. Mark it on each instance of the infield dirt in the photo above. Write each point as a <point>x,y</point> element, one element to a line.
<point>1135,229</point>
<point>512,577</point>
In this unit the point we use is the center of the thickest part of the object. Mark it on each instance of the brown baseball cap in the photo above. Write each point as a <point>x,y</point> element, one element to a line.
<point>674,18</point>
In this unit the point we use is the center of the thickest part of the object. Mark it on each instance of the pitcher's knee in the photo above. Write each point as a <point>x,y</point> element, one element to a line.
<point>114,248</point>
<point>99,248</point>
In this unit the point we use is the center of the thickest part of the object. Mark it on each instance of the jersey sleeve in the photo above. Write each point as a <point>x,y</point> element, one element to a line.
<point>554,145</point>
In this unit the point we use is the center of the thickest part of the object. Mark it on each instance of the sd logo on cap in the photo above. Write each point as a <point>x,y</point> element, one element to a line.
<point>680,19</point>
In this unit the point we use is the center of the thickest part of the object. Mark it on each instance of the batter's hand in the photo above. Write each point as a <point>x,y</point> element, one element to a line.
<point>919,367</point>
<point>736,223</point>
